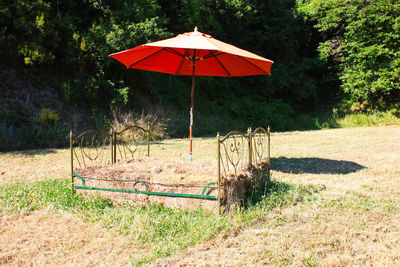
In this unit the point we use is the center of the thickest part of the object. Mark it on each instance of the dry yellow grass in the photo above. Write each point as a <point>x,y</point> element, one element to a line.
<point>45,238</point>
<point>34,165</point>
<point>355,221</point>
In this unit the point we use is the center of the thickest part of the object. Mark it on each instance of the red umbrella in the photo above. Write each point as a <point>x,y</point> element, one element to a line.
<point>197,54</point>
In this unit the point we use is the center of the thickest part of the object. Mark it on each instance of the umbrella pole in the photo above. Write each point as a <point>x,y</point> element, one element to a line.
<point>191,114</point>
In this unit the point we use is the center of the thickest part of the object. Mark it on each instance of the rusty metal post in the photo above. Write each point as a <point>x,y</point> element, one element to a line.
<point>250,144</point>
<point>114,145</point>
<point>71,147</point>
<point>192,105</point>
<point>148,143</point>
<point>219,173</point>
<point>111,148</point>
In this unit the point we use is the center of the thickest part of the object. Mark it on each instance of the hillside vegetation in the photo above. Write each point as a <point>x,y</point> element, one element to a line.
<point>332,58</point>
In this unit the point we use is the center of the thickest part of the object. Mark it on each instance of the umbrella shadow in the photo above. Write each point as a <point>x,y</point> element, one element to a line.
<point>314,165</point>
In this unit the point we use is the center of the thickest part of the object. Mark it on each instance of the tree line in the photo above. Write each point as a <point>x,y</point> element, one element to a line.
<point>341,54</point>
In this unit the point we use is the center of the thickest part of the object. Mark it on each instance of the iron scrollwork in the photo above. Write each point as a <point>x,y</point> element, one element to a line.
<point>260,146</point>
<point>233,153</point>
<point>92,148</point>
<point>132,142</point>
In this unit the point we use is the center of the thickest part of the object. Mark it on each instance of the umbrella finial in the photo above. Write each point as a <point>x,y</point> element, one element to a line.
<point>195,29</point>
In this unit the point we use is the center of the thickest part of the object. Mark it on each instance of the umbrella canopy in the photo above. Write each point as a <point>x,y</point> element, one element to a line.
<point>210,56</point>
<point>197,54</point>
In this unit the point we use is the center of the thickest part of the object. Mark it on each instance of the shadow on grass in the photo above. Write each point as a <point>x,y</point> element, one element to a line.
<point>33,152</point>
<point>314,165</point>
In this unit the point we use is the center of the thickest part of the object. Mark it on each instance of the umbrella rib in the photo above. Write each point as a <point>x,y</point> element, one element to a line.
<point>186,56</point>
<point>227,72</point>
<point>213,54</point>
<point>180,65</point>
<point>198,54</point>
<point>174,52</point>
<point>143,59</point>
<point>251,63</point>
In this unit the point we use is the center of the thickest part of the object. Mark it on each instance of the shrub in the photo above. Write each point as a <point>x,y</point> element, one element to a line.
<point>151,122</point>
<point>24,129</point>
<point>48,117</point>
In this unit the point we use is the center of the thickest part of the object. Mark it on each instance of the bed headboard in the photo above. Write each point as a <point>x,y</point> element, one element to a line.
<point>91,148</point>
<point>97,148</point>
<point>131,142</point>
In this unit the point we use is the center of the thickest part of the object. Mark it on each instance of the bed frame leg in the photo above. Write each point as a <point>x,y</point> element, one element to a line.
<point>219,173</point>
<point>71,147</point>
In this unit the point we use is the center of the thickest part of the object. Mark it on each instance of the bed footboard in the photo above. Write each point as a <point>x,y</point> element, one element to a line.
<point>243,164</point>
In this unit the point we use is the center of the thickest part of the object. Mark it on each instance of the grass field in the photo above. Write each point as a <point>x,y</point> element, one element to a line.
<point>335,200</point>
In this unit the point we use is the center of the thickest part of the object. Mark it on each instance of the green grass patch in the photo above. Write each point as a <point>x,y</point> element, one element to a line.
<point>55,193</point>
<point>329,120</point>
<point>166,230</point>
<point>363,119</point>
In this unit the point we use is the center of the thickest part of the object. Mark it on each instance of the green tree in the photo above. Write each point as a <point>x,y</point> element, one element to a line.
<point>362,38</point>
<point>68,42</point>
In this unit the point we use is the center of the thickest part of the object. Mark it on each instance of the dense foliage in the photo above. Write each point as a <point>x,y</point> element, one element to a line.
<point>325,53</point>
<point>362,38</point>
